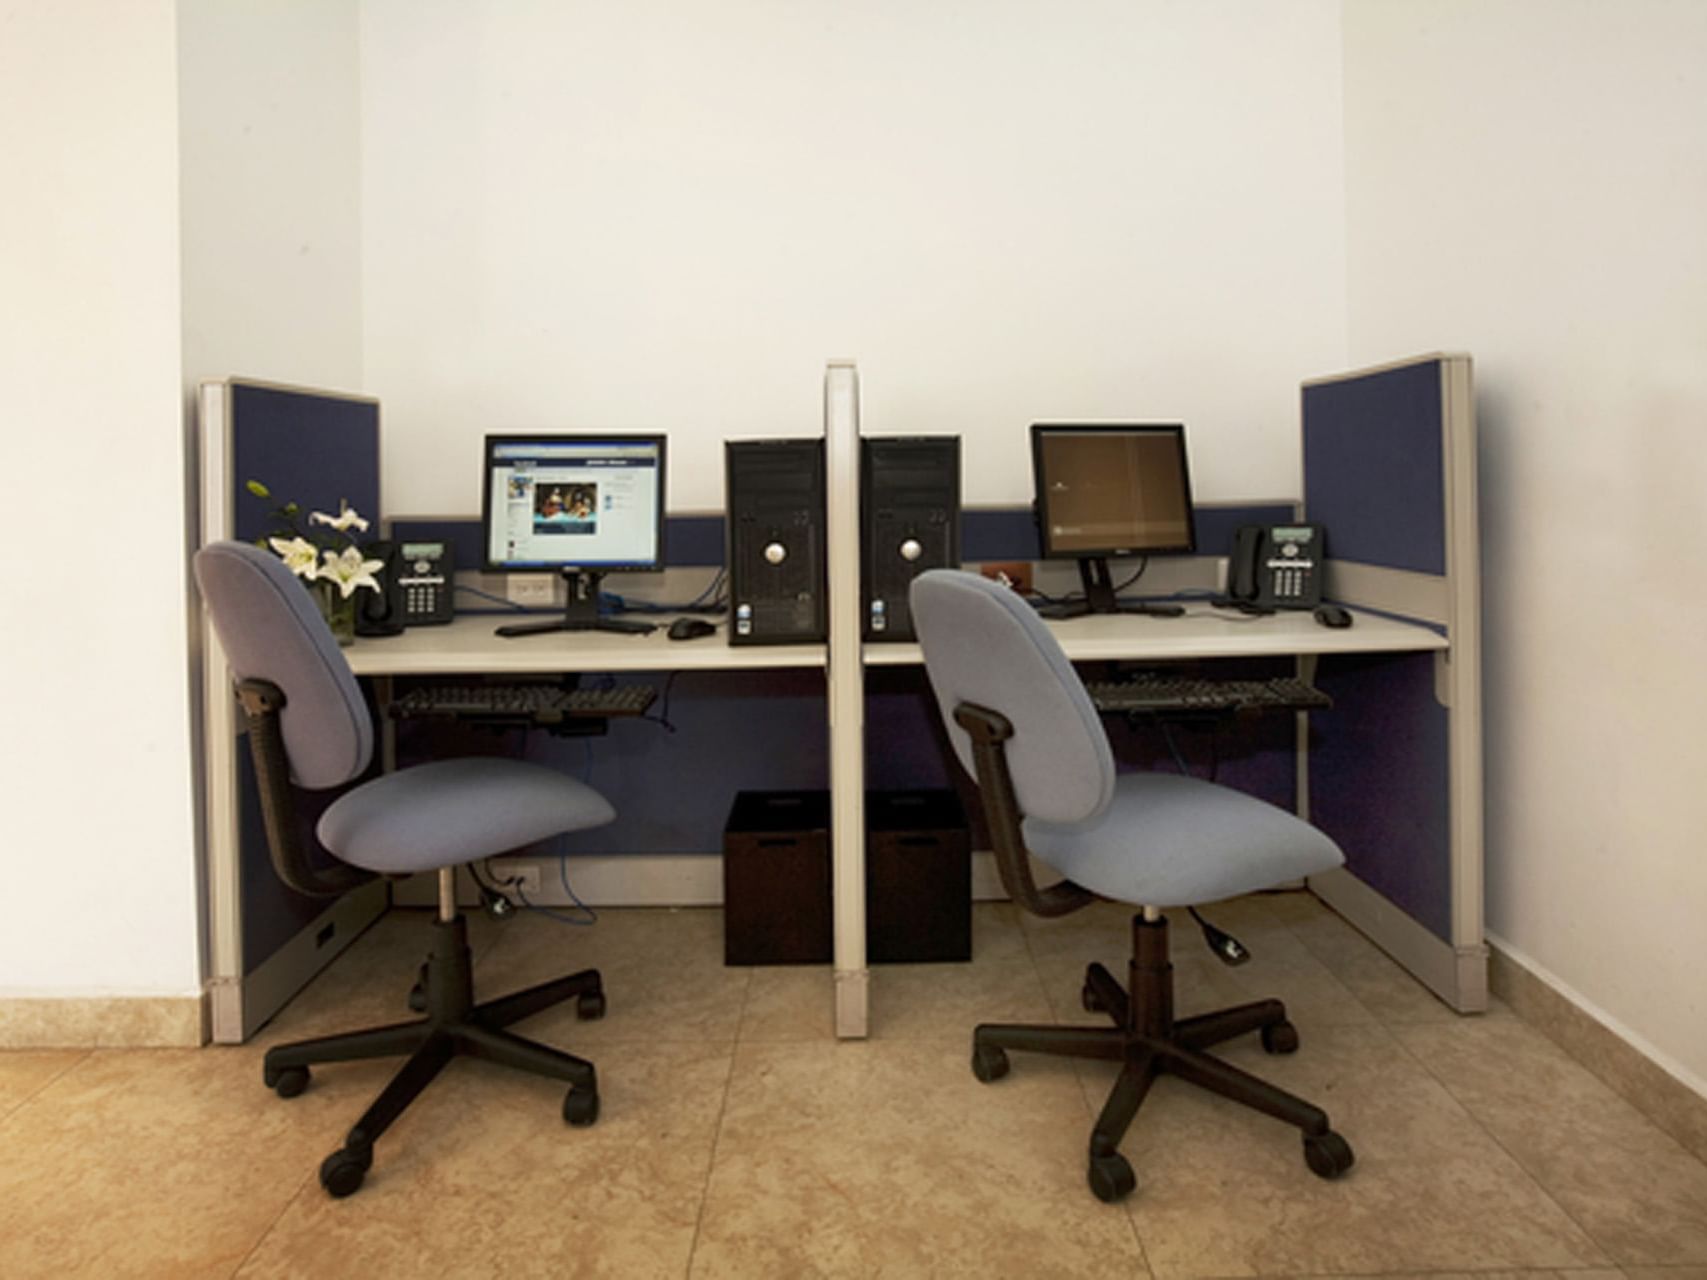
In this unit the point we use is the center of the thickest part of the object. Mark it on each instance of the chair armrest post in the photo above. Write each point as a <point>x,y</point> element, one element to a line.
<point>262,701</point>
<point>988,731</point>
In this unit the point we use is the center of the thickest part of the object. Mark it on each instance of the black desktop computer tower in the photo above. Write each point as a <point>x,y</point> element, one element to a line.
<point>909,522</point>
<point>774,496</point>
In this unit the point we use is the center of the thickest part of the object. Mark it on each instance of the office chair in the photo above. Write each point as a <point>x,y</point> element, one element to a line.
<point>1024,728</point>
<point>308,725</point>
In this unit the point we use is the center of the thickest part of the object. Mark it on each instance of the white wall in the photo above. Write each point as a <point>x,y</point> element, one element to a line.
<point>271,191</point>
<point>670,215</point>
<point>96,831</point>
<point>1527,180</point>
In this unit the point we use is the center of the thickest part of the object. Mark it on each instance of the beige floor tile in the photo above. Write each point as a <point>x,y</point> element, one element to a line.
<point>789,1002</point>
<point>912,1002</point>
<point>1483,1151</point>
<point>482,1177</point>
<point>25,1072</point>
<point>1380,985</point>
<point>1636,1191</point>
<point>1225,1191</point>
<point>663,974</point>
<point>165,1162</point>
<point>886,1158</point>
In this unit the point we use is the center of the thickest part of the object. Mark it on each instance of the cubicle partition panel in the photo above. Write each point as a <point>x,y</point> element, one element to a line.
<point>318,449</point>
<point>1394,770</point>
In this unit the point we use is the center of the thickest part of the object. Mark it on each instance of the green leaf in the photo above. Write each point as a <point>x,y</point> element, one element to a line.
<point>257,488</point>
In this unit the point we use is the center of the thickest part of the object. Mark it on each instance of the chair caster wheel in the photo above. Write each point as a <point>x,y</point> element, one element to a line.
<point>1092,1002</point>
<point>1327,1154</point>
<point>287,1082</point>
<point>1282,1037</point>
<point>1111,1177</point>
<point>580,1107</point>
<point>418,992</point>
<point>989,1063</point>
<point>341,1172</point>
<point>591,1006</point>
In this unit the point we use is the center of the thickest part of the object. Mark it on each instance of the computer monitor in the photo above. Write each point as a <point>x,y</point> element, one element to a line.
<point>1111,492</point>
<point>582,505</point>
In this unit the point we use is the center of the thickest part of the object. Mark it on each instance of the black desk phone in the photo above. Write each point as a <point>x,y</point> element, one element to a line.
<point>1276,566</point>
<point>416,586</point>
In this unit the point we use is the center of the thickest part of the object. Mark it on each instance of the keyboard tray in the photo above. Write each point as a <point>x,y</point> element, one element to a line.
<point>534,703</point>
<point>1175,695</point>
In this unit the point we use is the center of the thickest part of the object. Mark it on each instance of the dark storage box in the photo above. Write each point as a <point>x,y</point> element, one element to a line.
<point>777,878</point>
<point>918,877</point>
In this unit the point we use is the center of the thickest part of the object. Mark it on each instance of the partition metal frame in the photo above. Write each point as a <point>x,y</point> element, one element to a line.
<point>1444,593</point>
<point>243,994</point>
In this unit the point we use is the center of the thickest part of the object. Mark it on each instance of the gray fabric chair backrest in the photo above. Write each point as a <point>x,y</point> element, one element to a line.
<point>985,645</point>
<point>272,630</point>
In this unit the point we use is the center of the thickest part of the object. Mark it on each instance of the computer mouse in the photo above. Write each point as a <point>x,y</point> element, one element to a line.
<point>1333,615</point>
<point>690,628</point>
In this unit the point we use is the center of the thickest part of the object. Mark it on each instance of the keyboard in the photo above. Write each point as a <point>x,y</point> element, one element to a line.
<point>540,703</point>
<point>1196,694</point>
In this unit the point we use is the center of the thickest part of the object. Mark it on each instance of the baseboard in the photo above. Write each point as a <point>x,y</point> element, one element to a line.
<point>1636,1071</point>
<point>104,1022</point>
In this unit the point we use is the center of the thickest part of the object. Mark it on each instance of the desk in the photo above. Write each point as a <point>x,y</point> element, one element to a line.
<point>469,647</point>
<point>1389,468</point>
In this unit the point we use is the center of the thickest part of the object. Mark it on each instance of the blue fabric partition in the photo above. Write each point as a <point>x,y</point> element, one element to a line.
<point>316,449</point>
<point>986,533</point>
<point>306,447</point>
<point>1382,751</point>
<point>1373,467</point>
<point>1380,760</point>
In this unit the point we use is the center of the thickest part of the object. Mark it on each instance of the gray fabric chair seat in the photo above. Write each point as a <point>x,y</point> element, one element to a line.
<point>455,811</point>
<point>1172,841</point>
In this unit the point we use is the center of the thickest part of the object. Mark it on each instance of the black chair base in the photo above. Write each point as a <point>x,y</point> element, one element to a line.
<point>454,1025</point>
<point>1148,1041</point>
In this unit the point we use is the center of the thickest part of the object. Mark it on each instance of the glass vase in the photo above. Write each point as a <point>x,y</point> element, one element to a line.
<point>338,609</point>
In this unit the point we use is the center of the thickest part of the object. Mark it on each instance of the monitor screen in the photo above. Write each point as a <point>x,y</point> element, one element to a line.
<point>1104,491</point>
<point>573,502</point>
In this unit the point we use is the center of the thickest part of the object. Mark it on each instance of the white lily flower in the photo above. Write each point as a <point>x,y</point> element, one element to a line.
<point>346,519</point>
<point>350,570</point>
<point>299,555</point>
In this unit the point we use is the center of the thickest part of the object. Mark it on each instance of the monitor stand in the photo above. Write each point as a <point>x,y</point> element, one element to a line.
<point>1100,597</point>
<point>580,611</point>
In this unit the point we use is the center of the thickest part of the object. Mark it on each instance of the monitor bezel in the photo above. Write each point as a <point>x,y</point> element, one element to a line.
<point>494,440</point>
<point>1040,505</point>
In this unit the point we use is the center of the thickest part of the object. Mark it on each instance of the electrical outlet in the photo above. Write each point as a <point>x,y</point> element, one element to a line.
<point>1017,572</point>
<point>518,877</point>
<point>530,588</point>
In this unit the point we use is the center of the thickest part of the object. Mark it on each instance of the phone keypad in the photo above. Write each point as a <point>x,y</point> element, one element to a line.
<point>1291,578</point>
<point>422,596</point>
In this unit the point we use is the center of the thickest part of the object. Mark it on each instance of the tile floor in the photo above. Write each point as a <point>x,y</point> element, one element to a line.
<point>739,1138</point>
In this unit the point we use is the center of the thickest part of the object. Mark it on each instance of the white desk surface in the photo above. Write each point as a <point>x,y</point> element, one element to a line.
<point>1206,632</point>
<point>468,646</point>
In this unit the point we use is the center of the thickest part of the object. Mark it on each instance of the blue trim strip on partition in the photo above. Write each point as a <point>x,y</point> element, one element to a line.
<point>1374,467</point>
<point>986,533</point>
